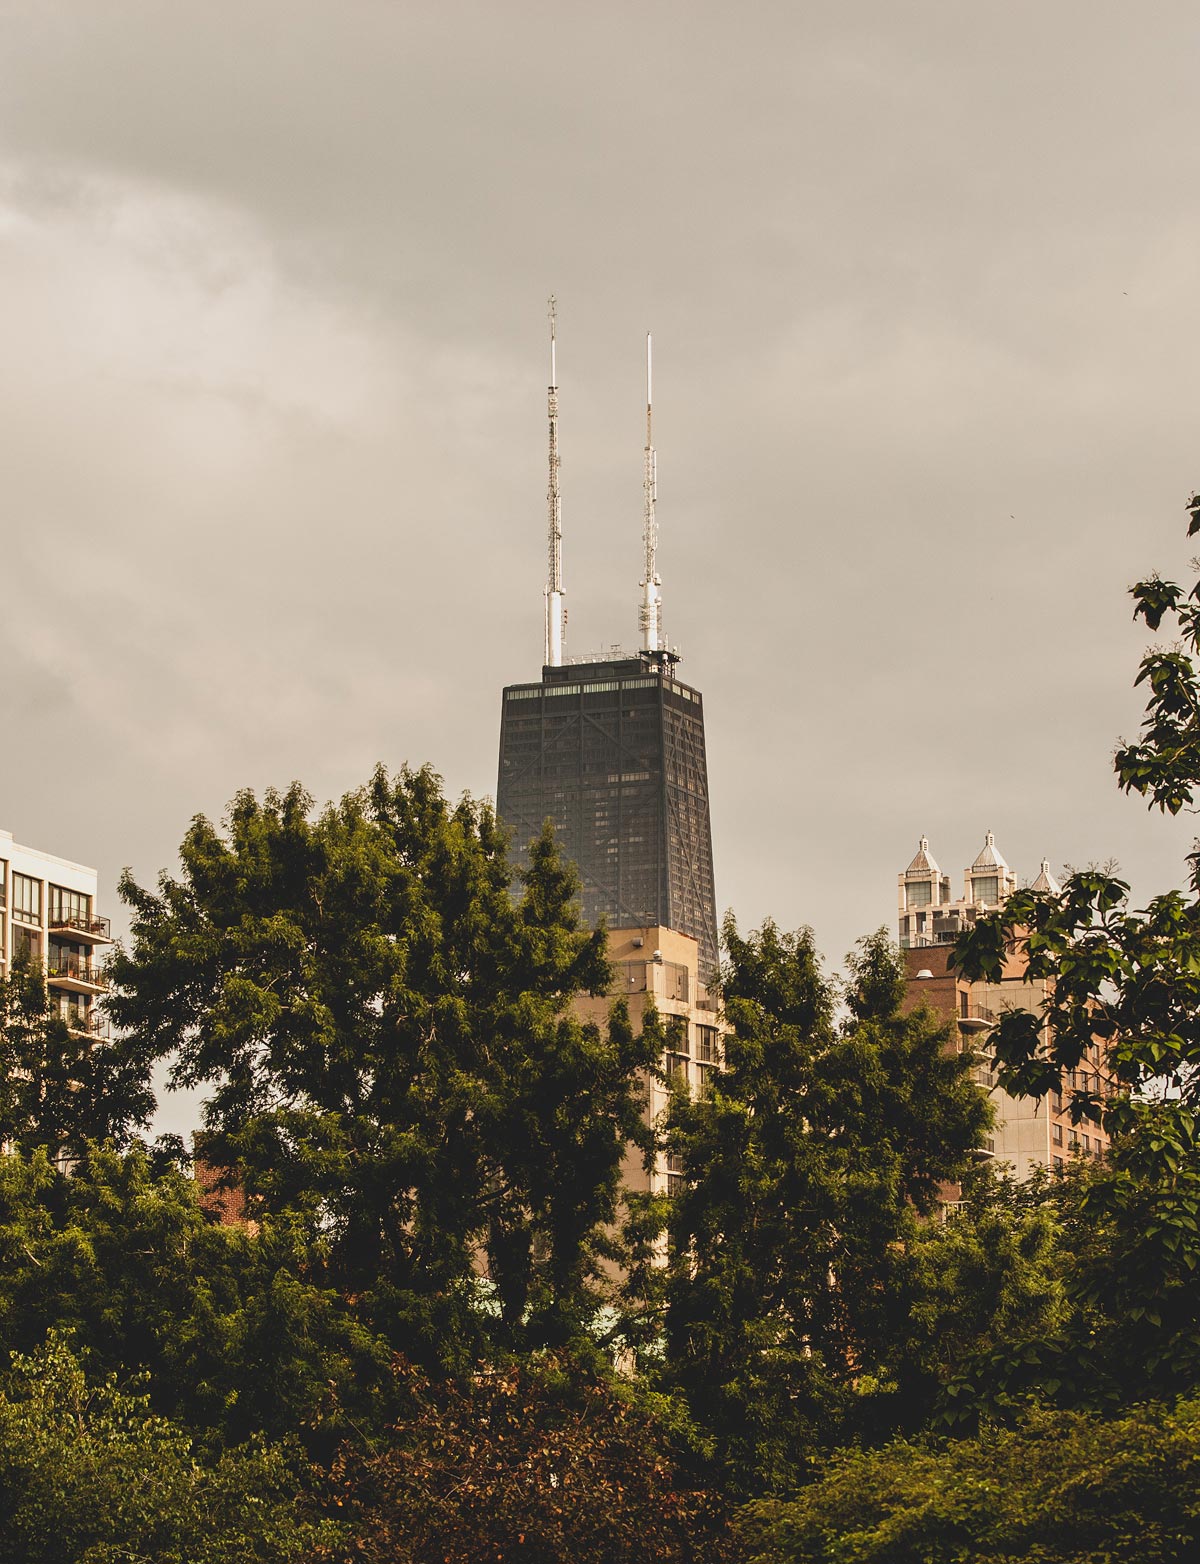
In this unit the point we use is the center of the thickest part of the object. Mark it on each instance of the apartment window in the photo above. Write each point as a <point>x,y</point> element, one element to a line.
<point>918,894</point>
<point>676,981</point>
<point>677,1069</point>
<point>1087,1144</point>
<point>986,891</point>
<point>65,904</point>
<point>1058,1162</point>
<point>3,882</point>
<point>677,1037</point>
<point>74,1009</point>
<point>1056,1134</point>
<point>26,944</point>
<point>674,1173</point>
<point>706,1044</point>
<point>27,899</point>
<point>1072,1137</point>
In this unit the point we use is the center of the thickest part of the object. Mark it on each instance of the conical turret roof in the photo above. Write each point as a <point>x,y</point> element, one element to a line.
<point>924,863</point>
<point>1046,881</point>
<point>989,856</point>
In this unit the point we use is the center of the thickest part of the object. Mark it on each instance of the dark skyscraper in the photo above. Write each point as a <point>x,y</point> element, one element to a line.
<point>613,753</point>
<point>611,749</point>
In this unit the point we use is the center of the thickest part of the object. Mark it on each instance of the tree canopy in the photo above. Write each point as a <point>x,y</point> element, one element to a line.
<point>89,1474</point>
<point>386,1034</point>
<point>804,1176</point>
<point>1064,1487</point>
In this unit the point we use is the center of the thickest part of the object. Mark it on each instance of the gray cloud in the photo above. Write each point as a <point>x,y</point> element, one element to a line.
<point>272,416</point>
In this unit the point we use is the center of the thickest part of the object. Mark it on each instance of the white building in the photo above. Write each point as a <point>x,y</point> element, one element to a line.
<point>48,915</point>
<point>928,916</point>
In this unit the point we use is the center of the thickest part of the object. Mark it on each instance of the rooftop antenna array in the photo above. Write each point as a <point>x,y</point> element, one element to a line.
<point>556,614</point>
<point>650,611</point>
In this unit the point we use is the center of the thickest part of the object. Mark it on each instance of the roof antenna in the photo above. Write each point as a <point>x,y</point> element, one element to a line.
<point>650,611</point>
<point>556,614</point>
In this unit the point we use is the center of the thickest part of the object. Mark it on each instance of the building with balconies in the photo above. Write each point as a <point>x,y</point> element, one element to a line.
<point>1028,1133</point>
<point>48,916</point>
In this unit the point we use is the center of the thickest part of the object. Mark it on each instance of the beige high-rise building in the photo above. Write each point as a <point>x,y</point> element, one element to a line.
<point>1028,1134</point>
<point>48,915</point>
<point>662,966</point>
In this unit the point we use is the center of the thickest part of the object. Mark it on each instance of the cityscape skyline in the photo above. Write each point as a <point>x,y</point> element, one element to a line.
<point>273,399</point>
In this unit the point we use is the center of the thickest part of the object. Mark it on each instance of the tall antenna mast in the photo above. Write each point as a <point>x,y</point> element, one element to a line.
<point>650,612</point>
<point>555,612</point>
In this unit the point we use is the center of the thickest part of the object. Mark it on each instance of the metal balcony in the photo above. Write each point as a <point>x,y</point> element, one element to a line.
<point>76,973</point>
<point>82,926</point>
<point>977,1019</point>
<point>94,1026</point>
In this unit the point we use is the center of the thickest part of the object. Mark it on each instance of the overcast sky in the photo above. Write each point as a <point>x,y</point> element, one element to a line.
<point>923,285</point>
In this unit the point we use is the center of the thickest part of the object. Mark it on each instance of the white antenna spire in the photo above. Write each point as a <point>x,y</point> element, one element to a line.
<point>555,612</point>
<point>650,611</point>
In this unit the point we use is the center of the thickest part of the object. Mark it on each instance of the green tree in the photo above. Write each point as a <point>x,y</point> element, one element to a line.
<point>90,1475</point>
<point>386,1031</point>
<point>59,1085</point>
<point>1124,990</point>
<point>1068,1487</point>
<point>232,1335</point>
<point>805,1175</point>
<point>984,1285</point>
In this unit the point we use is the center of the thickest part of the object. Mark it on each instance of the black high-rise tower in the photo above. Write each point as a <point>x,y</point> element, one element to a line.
<point>613,753</point>
<point>611,750</point>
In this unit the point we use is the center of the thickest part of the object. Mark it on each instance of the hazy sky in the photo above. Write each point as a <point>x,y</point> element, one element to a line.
<point>923,281</point>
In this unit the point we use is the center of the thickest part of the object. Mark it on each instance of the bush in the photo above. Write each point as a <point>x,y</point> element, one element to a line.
<point>89,1475</point>
<point>1066,1487</point>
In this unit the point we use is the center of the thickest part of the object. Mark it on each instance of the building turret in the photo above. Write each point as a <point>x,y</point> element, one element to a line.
<point>1046,882</point>
<point>922,887</point>
<point>990,882</point>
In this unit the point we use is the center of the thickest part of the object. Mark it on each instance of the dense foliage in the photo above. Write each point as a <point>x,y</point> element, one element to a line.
<point>393,1062</point>
<point>1064,1488</point>
<point>90,1475</point>
<point>806,1175</point>
<point>232,1335</point>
